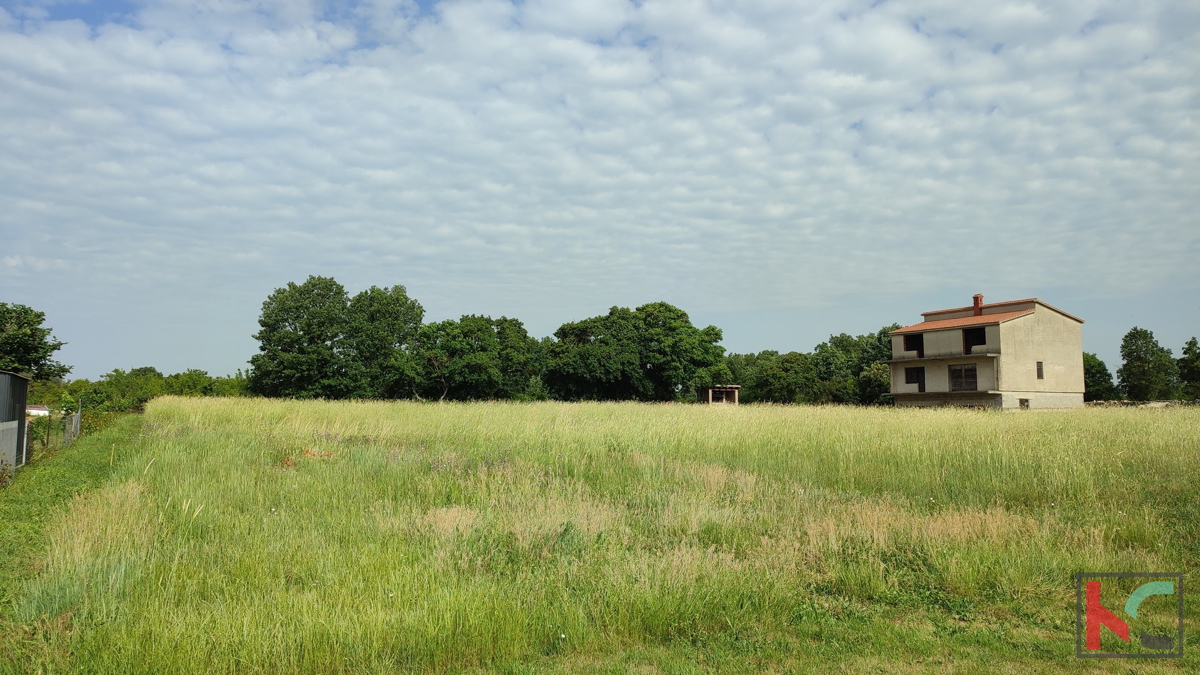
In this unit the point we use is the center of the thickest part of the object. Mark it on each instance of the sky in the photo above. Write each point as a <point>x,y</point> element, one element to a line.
<point>782,169</point>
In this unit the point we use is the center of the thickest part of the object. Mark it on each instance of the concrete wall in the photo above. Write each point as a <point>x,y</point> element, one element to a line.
<point>937,375</point>
<point>1043,399</point>
<point>927,401</point>
<point>948,342</point>
<point>1045,336</point>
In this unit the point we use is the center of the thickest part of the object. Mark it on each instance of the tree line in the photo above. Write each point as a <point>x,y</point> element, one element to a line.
<point>316,341</point>
<point>1148,372</point>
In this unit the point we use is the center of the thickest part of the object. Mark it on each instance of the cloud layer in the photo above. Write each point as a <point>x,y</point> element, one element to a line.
<point>165,166</point>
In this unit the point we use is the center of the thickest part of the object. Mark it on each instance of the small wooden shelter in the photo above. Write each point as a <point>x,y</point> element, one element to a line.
<point>720,393</point>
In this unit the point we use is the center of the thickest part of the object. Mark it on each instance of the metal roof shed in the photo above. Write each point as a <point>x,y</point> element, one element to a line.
<point>14,389</point>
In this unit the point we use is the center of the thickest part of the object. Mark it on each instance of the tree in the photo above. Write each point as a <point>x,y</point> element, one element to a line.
<point>521,358</point>
<point>678,358</point>
<point>740,368</point>
<point>476,358</point>
<point>380,335</point>
<point>873,383</point>
<point>787,378</point>
<point>1097,380</point>
<point>438,345</point>
<point>1149,372</point>
<point>652,353</point>
<point>26,347</point>
<point>598,359</point>
<point>191,382</point>
<point>301,342</point>
<point>841,362</point>
<point>231,385</point>
<point>1189,370</point>
<point>121,391</point>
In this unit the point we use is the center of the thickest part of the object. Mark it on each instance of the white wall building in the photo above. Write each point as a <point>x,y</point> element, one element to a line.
<point>1015,354</point>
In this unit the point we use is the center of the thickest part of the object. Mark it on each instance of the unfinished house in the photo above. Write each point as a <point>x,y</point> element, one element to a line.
<point>1015,354</point>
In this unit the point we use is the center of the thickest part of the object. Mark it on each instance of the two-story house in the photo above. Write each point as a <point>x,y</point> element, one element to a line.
<point>1016,354</point>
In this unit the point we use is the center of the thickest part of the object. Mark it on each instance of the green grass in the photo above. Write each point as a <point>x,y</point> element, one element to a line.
<point>266,536</point>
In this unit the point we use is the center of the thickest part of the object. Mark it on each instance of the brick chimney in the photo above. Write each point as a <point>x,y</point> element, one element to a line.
<point>978,305</point>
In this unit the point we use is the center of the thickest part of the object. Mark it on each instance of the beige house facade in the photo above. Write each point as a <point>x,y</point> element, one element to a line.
<point>1015,354</point>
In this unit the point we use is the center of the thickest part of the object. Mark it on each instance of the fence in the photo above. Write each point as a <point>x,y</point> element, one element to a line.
<point>17,439</point>
<point>71,428</point>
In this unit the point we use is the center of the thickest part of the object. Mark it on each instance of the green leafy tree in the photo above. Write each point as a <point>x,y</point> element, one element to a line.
<point>1189,370</point>
<point>477,371</point>
<point>678,357</point>
<point>301,342</point>
<point>782,378</point>
<point>598,359</point>
<point>381,331</point>
<point>652,353</point>
<point>121,391</point>
<point>191,382</point>
<point>521,360</point>
<point>841,362</point>
<point>874,382</point>
<point>232,385</point>
<point>26,346</point>
<point>740,368</point>
<point>1149,371</point>
<point>1097,380</point>
<point>437,347</point>
<point>476,358</point>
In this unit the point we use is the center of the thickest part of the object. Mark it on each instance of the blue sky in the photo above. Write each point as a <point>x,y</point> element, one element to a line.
<point>782,169</point>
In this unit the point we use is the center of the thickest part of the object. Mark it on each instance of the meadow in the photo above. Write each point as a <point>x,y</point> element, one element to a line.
<point>236,535</point>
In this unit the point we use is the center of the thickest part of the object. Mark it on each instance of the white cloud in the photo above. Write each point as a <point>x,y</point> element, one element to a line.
<point>548,159</point>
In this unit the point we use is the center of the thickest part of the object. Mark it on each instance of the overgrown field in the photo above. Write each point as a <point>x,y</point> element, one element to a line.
<point>266,536</point>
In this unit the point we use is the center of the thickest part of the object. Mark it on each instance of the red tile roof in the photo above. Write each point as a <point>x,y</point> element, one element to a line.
<point>961,322</point>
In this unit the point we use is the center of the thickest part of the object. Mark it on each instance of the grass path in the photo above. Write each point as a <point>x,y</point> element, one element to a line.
<point>35,499</point>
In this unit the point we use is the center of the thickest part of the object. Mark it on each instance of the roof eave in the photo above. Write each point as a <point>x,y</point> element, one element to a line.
<point>916,328</point>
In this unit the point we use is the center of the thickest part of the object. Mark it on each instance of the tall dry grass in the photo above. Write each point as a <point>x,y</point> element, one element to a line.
<point>270,536</point>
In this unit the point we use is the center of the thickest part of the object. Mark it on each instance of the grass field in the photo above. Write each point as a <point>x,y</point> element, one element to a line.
<point>265,536</point>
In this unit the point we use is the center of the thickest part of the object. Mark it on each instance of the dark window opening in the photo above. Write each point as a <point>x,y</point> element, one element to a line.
<point>964,378</point>
<point>915,343</point>
<point>973,337</point>
<point>1024,403</point>
<point>915,376</point>
<point>1041,373</point>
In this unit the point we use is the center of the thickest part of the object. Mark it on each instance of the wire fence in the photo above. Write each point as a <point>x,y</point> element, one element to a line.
<point>70,428</point>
